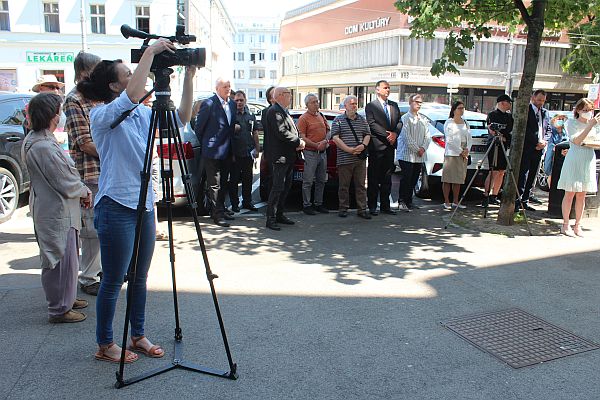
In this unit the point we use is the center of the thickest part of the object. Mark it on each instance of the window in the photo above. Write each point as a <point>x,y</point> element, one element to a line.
<point>4,16</point>
<point>252,74</point>
<point>253,57</point>
<point>239,38</point>
<point>97,18</point>
<point>261,73</point>
<point>51,17</point>
<point>261,38</point>
<point>273,74</point>
<point>261,94</point>
<point>273,56</point>
<point>8,80</point>
<point>234,56</point>
<point>274,39</point>
<point>142,18</point>
<point>252,39</point>
<point>240,56</point>
<point>261,56</point>
<point>252,93</point>
<point>12,112</point>
<point>241,74</point>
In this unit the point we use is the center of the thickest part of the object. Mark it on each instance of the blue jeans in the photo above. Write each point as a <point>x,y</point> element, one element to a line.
<point>115,224</point>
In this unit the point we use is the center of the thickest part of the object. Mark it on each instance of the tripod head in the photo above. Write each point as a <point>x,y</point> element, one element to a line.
<point>162,90</point>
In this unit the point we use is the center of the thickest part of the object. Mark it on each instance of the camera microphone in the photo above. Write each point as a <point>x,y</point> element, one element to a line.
<point>128,32</point>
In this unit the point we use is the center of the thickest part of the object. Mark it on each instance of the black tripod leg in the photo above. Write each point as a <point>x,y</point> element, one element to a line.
<point>491,176</point>
<point>512,175</point>
<point>479,165</point>
<point>132,271</point>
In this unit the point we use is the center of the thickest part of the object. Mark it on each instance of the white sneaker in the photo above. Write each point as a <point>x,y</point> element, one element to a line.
<point>461,206</point>
<point>447,206</point>
<point>403,207</point>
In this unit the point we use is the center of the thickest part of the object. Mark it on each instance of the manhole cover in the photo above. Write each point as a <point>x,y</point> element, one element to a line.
<point>518,338</point>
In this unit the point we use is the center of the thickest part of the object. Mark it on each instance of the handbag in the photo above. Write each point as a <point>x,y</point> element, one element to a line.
<point>363,154</point>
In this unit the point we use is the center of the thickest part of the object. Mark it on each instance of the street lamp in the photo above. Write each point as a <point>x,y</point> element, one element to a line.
<point>297,67</point>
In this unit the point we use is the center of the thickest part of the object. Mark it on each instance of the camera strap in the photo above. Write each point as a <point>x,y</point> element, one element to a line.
<point>126,113</point>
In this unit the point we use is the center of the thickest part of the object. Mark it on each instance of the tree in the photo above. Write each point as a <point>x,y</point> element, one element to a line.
<point>584,57</point>
<point>467,20</point>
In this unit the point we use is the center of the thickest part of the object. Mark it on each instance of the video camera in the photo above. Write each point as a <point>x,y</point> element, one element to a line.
<point>185,57</point>
<point>497,127</point>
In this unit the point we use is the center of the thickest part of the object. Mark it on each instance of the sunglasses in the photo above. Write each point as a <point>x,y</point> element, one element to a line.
<point>53,87</point>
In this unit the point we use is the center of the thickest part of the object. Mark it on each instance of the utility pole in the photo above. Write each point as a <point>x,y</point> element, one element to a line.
<point>511,48</point>
<point>84,45</point>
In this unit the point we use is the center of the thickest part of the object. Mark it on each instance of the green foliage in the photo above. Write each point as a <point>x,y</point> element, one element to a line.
<point>467,20</point>
<point>584,57</point>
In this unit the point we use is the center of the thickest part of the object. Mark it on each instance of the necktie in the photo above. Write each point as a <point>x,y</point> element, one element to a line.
<point>387,112</point>
<point>540,126</point>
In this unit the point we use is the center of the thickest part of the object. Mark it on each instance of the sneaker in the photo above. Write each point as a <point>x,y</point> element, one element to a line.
<point>78,304</point>
<point>403,207</point>
<point>461,206</point>
<point>447,206</point>
<point>68,317</point>
<point>92,289</point>
<point>342,213</point>
<point>309,210</point>
<point>321,209</point>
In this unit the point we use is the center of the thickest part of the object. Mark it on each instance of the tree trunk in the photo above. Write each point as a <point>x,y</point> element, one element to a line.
<point>535,27</point>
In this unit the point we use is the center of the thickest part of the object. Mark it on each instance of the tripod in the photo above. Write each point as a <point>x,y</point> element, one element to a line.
<point>163,119</point>
<point>494,145</point>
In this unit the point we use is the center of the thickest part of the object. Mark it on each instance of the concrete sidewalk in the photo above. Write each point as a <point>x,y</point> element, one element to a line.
<point>329,308</point>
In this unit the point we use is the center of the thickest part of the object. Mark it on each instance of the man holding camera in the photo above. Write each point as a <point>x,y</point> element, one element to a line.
<point>245,150</point>
<point>215,128</point>
<point>500,125</point>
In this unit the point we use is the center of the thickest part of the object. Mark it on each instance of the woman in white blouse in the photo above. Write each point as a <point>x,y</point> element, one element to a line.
<point>458,143</point>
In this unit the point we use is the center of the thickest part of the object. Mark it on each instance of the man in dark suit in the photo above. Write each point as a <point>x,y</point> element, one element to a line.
<point>383,116</point>
<point>538,124</point>
<point>214,127</point>
<point>284,142</point>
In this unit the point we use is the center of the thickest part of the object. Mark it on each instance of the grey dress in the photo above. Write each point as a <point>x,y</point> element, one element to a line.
<point>54,195</point>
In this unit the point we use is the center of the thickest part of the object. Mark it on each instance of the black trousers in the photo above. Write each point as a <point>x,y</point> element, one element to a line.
<point>379,177</point>
<point>530,163</point>
<point>281,183</point>
<point>408,179</point>
<point>241,170</point>
<point>217,172</point>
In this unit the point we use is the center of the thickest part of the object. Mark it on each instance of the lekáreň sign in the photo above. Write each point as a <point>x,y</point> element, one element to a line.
<point>49,57</point>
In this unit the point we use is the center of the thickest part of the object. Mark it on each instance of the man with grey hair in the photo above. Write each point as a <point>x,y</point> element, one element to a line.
<point>283,144</point>
<point>351,134</point>
<point>313,129</point>
<point>83,152</point>
<point>215,125</point>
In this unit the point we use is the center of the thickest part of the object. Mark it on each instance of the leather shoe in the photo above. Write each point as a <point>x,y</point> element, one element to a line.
<point>221,222</point>
<point>282,219</point>
<point>250,207</point>
<point>389,212</point>
<point>342,213</point>
<point>78,304</point>
<point>235,209</point>
<point>374,211</point>
<point>92,289</point>
<point>364,214</point>
<point>271,224</point>
<point>69,316</point>
<point>309,211</point>
<point>528,207</point>
<point>228,212</point>
<point>321,209</point>
<point>228,217</point>
<point>534,200</point>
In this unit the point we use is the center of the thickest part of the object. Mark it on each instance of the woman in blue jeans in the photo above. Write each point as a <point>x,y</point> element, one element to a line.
<point>122,152</point>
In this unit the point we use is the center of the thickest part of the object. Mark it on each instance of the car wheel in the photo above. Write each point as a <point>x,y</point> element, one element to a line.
<point>9,194</point>
<point>542,179</point>
<point>422,186</point>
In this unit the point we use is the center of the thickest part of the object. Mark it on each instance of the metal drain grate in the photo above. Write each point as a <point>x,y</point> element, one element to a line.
<point>518,338</point>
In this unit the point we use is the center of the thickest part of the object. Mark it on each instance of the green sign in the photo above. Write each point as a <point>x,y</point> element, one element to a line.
<point>39,57</point>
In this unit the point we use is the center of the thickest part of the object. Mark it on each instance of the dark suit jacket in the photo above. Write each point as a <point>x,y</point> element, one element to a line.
<point>532,129</point>
<point>266,136</point>
<point>379,124</point>
<point>283,135</point>
<point>213,130</point>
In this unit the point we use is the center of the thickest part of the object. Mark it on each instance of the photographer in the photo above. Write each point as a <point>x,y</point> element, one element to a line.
<point>122,153</point>
<point>500,123</point>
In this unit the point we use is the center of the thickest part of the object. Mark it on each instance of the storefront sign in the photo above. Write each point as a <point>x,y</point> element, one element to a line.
<point>367,26</point>
<point>44,57</point>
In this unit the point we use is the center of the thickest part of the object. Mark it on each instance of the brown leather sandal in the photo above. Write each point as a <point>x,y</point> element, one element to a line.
<point>102,356</point>
<point>154,351</point>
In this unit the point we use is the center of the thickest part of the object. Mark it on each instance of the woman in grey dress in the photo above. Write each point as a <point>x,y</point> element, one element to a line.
<point>55,195</point>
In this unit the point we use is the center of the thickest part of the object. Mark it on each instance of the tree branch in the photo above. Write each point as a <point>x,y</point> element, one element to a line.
<point>523,10</point>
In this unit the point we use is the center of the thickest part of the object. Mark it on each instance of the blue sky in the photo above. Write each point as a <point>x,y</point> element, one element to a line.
<point>261,8</point>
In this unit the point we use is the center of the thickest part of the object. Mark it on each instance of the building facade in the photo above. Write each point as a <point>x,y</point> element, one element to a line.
<point>256,57</point>
<point>43,37</point>
<point>340,47</point>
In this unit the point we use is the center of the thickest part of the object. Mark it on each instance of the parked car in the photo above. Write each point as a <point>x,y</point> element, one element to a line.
<point>14,178</point>
<point>332,176</point>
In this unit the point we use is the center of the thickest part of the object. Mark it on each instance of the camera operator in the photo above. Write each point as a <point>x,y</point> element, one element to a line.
<point>500,123</point>
<point>122,153</point>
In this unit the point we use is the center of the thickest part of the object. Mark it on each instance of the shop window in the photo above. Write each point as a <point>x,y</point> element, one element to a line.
<point>4,16</point>
<point>142,18</point>
<point>51,20</point>
<point>97,18</point>
<point>8,80</point>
